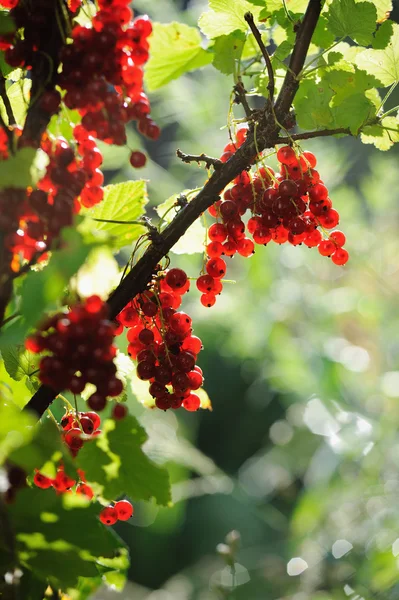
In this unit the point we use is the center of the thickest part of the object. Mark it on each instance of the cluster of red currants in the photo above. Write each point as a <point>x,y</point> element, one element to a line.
<point>34,218</point>
<point>82,351</point>
<point>161,340</point>
<point>77,430</point>
<point>108,58</point>
<point>291,206</point>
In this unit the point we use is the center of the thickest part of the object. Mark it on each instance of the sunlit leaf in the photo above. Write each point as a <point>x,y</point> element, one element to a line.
<point>175,49</point>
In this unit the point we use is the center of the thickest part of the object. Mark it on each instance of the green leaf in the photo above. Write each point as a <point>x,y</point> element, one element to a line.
<point>21,162</point>
<point>122,202</point>
<point>312,105</point>
<point>19,363</point>
<point>353,112</point>
<point>383,64</point>
<point>44,445</point>
<point>347,81</point>
<point>175,49</point>
<point>383,135</point>
<point>322,36</point>
<point>383,8</point>
<point>225,16</point>
<point>7,23</point>
<point>16,428</point>
<point>357,20</point>
<point>383,35</point>
<point>228,49</point>
<point>47,286</point>
<point>69,545</point>
<point>193,240</point>
<point>18,94</point>
<point>118,464</point>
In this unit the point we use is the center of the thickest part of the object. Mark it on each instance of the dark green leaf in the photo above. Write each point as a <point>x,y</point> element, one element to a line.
<point>59,540</point>
<point>357,20</point>
<point>22,163</point>
<point>7,23</point>
<point>121,467</point>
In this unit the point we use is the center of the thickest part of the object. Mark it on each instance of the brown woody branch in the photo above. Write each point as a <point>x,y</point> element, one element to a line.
<point>307,135</point>
<point>266,136</point>
<point>298,56</point>
<point>208,160</point>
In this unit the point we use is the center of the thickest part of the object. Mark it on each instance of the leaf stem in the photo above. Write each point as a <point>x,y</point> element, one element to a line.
<point>390,111</point>
<point>391,89</point>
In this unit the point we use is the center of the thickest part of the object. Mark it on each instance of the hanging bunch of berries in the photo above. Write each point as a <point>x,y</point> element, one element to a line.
<point>161,340</point>
<point>290,206</point>
<point>81,351</point>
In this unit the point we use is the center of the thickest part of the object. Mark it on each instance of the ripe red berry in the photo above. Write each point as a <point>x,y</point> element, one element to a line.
<point>42,481</point>
<point>192,402</point>
<point>216,268</point>
<point>84,490</point>
<point>119,412</point>
<point>124,510</point>
<point>108,516</point>
<point>327,248</point>
<point>338,237</point>
<point>176,278</point>
<point>137,159</point>
<point>340,256</point>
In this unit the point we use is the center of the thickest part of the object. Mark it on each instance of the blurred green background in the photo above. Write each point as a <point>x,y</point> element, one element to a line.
<point>301,360</point>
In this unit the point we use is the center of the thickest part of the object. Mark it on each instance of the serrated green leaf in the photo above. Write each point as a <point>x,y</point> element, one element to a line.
<point>57,548</point>
<point>322,36</point>
<point>312,105</point>
<point>175,49</point>
<point>120,466</point>
<point>383,135</point>
<point>225,16</point>
<point>353,112</point>
<point>21,162</point>
<point>193,240</point>
<point>346,81</point>
<point>122,202</point>
<point>19,363</point>
<point>383,36</point>
<point>383,8</point>
<point>227,50</point>
<point>48,285</point>
<point>383,64</point>
<point>357,20</point>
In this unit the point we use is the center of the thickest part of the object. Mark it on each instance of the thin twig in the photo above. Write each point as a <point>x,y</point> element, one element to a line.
<point>270,86</point>
<point>240,93</point>
<point>307,135</point>
<point>6,100</point>
<point>208,160</point>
